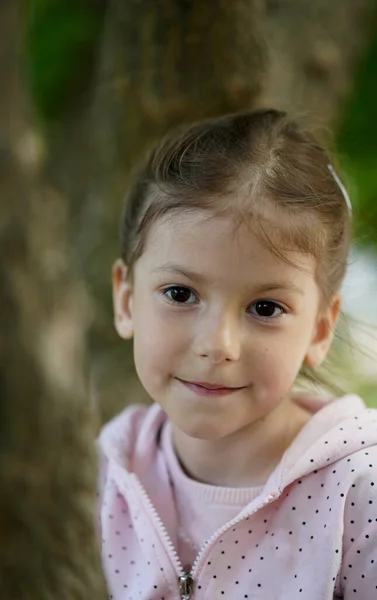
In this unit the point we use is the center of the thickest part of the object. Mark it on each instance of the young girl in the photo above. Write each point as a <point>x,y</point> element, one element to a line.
<point>235,243</point>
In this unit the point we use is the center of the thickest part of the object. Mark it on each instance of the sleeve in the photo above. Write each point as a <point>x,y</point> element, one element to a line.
<point>358,577</point>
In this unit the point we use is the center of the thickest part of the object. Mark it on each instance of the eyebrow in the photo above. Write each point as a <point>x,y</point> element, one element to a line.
<point>196,277</point>
<point>178,270</point>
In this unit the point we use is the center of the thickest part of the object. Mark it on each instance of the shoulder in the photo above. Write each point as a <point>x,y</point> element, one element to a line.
<point>360,506</point>
<point>357,473</point>
<point>363,481</point>
<point>362,462</point>
<point>359,565</point>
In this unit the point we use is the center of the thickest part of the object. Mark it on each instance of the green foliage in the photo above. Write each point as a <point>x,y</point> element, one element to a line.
<point>368,391</point>
<point>60,38</point>
<point>357,142</point>
<point>373,399</point>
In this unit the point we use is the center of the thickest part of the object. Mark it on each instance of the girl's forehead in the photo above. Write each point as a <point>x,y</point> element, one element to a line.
<point>220,243</point>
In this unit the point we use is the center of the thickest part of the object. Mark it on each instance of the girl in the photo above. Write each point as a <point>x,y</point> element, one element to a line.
<point>235,243</point>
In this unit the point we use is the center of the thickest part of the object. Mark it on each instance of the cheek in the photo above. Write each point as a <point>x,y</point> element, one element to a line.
<point>278,361</point>
<point>157,344</point>
<point>275,373</point>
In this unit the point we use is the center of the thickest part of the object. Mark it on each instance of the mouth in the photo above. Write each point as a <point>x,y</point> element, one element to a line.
<point>202,388</point>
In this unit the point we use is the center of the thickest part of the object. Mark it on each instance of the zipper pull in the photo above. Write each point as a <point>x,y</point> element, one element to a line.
<point>186,586</point>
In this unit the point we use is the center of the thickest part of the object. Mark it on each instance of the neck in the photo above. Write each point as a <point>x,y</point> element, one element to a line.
<point>247,457</point>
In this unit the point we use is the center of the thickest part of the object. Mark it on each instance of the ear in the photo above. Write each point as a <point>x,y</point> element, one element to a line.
<point>323,333</point>
<point>122,300</point>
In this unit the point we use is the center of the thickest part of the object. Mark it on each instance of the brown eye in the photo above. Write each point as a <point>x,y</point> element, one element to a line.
<point>180,295</point>
<point>267,309</point>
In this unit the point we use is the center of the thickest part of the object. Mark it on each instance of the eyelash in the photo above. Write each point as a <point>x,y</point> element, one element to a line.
<point>261,301</point>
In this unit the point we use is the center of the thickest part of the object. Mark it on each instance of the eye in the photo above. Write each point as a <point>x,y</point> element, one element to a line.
<point>180,295</point>
<point>267,310</point>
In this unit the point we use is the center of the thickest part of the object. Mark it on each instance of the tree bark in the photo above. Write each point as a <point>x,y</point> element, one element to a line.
<point>48,547</point>
<point>315,48</point>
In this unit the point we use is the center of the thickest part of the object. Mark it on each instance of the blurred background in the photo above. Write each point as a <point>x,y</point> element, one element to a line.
<point>86,87</point>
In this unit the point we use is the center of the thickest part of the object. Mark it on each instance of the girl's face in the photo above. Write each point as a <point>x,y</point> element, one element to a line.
<point>211,307</point>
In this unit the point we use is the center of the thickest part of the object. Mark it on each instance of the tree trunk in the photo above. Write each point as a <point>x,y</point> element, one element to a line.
<point>315,48</point>
<point>48,547</point>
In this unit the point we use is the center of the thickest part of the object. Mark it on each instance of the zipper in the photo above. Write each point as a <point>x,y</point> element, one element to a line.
<point>163,531</point>
<point>186,586</point>
<point>186,581</point>
<point>269,498</point>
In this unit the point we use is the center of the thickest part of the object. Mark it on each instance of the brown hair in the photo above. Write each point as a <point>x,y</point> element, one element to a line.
<point>257,164</point>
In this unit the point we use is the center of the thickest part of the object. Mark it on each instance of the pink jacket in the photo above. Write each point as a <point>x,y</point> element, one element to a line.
<point>310,535</point>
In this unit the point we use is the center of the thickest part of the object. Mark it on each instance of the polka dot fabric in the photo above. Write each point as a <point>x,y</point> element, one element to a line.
<point>310,534</point>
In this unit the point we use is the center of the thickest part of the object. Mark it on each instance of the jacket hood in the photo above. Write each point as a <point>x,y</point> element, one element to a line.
<point>338,428</point>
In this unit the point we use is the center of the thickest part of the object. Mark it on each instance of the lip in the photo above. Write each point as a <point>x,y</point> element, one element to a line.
<point>209,389</point>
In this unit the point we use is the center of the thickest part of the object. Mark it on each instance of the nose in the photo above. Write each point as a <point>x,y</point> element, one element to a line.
<point>219,339</point>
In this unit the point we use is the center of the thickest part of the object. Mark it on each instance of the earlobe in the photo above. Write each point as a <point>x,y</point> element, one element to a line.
<point>122,300</point>
<point>309,361</point>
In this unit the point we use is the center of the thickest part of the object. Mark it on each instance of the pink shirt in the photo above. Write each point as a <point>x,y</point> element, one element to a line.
<point>309,534</point>
<point>201,509</point>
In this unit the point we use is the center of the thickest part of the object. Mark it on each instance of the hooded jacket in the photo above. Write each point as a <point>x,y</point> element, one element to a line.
<point>310,534</point>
